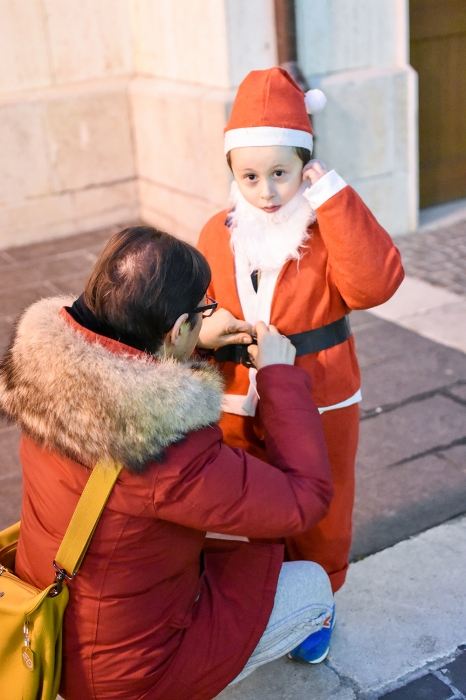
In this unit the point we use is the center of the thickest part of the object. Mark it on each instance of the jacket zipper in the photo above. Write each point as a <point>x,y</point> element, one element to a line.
<point>26,586</point>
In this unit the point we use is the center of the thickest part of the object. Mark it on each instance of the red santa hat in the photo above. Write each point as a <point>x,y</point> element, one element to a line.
<point>270,109</point>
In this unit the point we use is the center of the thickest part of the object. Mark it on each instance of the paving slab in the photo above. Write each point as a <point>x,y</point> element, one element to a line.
<point>395,503</point>
<point>289,680</point>
<point>345,693</point>
<point>4,423</point>
<point>14,301</point>
<point>434,423</point>
<point>456,455</point>
<point>10,475</point>
<point>360,319</point>
<point>6,332</point>
<point>397,364</point>
<point>396,380</point>
<point>438,257</point>
<point>446,325</point>
<point>459,392</point>
<point>455,672</point>
<point>415,296</point>
<point>402,609</point>
<point>10,500</point>
<point>72,285</point>
<point>428,310</point>
<point>429,687</point>
<point>61,246</point>
<point>49,268</point>
<point>9,441</point>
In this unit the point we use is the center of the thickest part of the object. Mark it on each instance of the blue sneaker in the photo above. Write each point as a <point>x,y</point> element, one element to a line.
<point>315,648</point>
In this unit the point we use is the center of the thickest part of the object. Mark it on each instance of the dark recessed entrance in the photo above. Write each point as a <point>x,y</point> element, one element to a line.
<point>438,54</point>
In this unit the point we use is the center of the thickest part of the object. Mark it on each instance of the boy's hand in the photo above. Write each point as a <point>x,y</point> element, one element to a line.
<point>222,328</point>
<point>314,170</point>
<point>272,348</point>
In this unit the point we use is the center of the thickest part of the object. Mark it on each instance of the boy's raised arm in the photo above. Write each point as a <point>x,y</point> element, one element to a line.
<point>364,262</point>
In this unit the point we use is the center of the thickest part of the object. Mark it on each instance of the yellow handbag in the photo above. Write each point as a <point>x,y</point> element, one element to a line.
<point>31,620</point>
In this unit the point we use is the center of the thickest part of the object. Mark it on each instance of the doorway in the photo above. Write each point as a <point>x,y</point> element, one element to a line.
<point>438,54</point>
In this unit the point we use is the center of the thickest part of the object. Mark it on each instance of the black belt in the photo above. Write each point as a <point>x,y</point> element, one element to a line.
<point>305,343</point>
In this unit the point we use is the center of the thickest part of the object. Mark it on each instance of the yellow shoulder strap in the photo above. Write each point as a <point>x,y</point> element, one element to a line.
<point>86,515</point>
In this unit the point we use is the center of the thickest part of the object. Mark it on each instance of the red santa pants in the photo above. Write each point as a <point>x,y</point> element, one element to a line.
<point>329,542</point>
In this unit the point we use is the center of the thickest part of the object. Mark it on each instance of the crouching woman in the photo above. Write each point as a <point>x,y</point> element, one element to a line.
<point>157,610</point>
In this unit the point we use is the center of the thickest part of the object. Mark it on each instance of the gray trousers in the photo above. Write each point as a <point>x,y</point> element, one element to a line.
<point>303,601</point>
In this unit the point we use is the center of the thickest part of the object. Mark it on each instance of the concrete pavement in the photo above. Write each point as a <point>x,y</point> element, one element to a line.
<point>431,311</point>
<point>401,614</point>
<point>437,253</point>
<point>410,467</point>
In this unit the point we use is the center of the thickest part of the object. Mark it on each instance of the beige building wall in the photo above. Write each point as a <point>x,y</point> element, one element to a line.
<point>356,51</point>
<point>190,55</point>
<point>67,161</point>
<point>113,110</point>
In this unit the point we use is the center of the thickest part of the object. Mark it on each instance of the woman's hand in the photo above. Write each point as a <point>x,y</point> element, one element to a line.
<point>272,348</point>
<point>222,328</point>
<point>314,170</point>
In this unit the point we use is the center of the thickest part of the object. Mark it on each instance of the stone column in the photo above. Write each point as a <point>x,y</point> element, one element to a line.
<point>356,51</point>
<point>190,56</point>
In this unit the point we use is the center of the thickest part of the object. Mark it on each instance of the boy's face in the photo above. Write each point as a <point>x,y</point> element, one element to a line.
<point>267,176</point>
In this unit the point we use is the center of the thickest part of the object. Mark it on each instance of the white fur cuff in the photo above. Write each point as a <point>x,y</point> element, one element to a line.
<point>325,188</point>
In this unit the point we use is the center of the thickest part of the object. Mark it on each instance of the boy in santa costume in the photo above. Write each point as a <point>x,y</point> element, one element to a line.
<point>298,249</point>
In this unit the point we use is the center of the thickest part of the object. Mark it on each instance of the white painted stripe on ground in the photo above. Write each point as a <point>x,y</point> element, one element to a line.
<point>433,312</point>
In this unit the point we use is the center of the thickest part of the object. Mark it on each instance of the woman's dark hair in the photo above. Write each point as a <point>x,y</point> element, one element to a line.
<point>304,154</point>
<point>144,280</point>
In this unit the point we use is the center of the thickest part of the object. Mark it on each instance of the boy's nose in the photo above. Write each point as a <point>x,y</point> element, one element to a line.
<point>267,192</point>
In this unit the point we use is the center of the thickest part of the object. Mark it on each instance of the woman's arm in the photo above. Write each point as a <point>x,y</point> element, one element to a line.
<point>221,329</point>
<point>231,492</point>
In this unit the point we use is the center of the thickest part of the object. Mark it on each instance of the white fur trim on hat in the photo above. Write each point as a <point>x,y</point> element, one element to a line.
<point>315,101</point>
<point>267,136</point>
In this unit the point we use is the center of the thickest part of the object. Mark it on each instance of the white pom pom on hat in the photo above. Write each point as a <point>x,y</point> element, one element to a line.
<point>315,101</point>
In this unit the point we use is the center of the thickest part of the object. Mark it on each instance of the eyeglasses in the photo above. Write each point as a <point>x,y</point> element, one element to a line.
<point>206,310</point>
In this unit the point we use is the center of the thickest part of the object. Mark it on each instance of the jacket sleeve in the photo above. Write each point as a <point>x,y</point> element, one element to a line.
<point>208,242</point>
<point>364,264</point>
<point>203,242</point>
<point>231,492</point>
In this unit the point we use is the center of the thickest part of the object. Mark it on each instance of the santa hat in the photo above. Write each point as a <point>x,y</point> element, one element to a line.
<point>270,109</point>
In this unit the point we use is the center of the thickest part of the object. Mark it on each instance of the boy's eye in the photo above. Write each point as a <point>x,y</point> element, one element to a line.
<point>251,177</point>
<point>279,173</point>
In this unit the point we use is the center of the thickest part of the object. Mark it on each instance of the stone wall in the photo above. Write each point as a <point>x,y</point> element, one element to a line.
<point>113,110</point>
<point>190,55</point>
<point>67,161</point>
<point>357,52</point>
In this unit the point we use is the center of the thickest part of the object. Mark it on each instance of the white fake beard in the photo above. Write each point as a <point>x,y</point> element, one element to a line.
<point>268,241</point>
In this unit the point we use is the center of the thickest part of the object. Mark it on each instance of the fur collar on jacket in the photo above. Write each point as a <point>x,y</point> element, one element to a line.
<point>88,403</point>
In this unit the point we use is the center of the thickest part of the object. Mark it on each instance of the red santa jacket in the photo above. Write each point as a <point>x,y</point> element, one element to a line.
<point>350,263</point>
